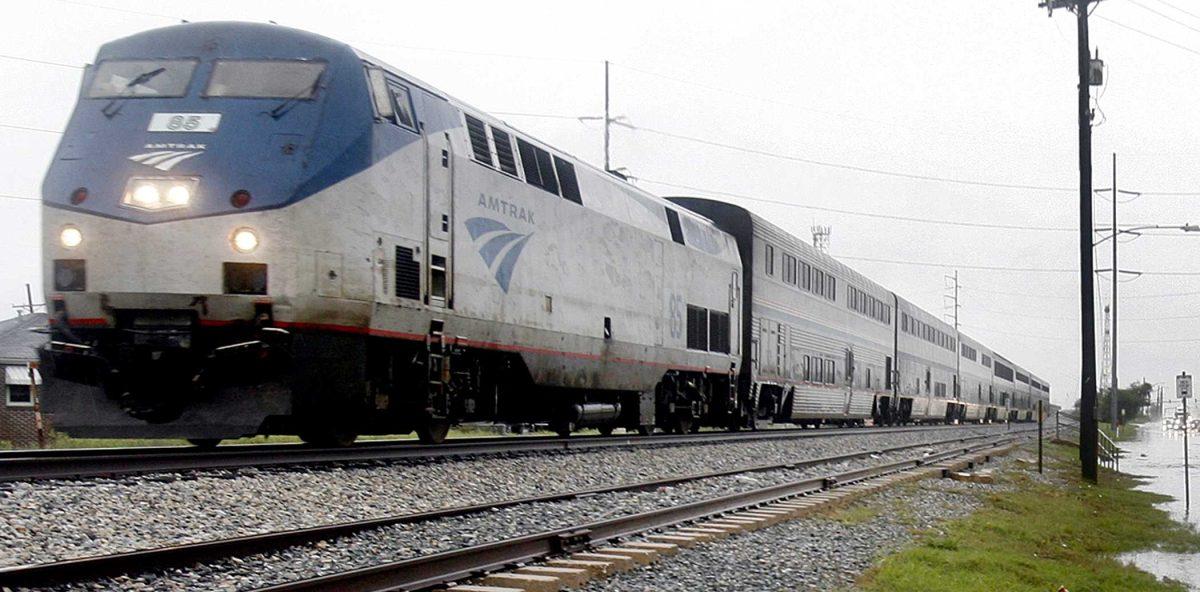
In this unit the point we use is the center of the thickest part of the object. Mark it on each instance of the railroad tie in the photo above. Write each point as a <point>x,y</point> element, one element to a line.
<point>526,582</point>
<point>474,588</point>
<point>654,542</point>
<point>642,556</point>
<point>595,569</point>
<point>572,577</point>
<point>681,539</point>
<point>617,563</point>
<point>712,533</point>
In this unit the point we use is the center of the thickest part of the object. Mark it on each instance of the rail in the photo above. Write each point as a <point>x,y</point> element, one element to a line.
<point>95,567</point>
<point>65,464</point>
<point>422,573</point>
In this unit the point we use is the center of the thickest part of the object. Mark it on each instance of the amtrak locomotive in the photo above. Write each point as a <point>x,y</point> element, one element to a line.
<point>250,229</point>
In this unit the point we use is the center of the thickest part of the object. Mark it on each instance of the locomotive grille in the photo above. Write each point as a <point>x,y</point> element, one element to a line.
<point>718,331</point>
<point>479,140</point>
<point>408,274</point>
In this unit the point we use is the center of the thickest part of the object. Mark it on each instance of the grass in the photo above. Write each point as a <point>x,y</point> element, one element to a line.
<point>1128,432</point>
<point>1040,537</point>
<point>855,514</point>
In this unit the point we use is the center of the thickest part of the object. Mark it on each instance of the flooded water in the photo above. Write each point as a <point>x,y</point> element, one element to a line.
<point>1158,455</point>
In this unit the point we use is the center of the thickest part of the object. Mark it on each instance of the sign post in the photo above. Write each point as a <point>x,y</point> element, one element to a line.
<point>1183,390</point>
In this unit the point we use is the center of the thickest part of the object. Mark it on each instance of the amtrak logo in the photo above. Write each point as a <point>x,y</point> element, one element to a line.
<point>499,246</point>
<point>165,160</point>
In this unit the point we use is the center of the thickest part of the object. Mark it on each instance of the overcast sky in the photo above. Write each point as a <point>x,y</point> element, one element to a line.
<point>969,90</point>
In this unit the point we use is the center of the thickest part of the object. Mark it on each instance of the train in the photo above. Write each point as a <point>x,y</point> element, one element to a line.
<point>252,230</point>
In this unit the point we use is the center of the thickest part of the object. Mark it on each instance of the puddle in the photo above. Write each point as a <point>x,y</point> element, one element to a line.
<point>1181,567</point>
<point>1157,455</point>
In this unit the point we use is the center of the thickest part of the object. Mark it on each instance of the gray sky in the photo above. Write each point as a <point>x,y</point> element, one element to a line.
<point>970,90</point>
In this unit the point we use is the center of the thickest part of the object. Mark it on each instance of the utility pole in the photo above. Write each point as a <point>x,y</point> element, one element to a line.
<point>607,120</point>
<point>1112,408</point>
<point>1087,421</point>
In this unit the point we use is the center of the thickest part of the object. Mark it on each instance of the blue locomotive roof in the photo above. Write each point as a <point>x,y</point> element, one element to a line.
<point>279,148</point>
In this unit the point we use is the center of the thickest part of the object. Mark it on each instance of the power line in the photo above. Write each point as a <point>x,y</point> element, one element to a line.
<point>962,266</point>
<point>1165,16</point>
<point>856,168</point>
<point>1168,4</point>
<point>860,213</point>
<point>1015,334</point>
<point>124,10</point>
<point>537,115</point>
<point>19,197</point>
<point>725,90</point>
<point>42,62</point>
<point>29,129</point>
<point>1150,35</point>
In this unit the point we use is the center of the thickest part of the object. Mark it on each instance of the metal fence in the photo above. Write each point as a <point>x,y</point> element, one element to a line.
<point>1066,429</point>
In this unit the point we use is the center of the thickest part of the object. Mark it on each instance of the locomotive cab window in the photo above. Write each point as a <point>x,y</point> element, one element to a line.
<point>402,99</point>
<point>265,79</point>
<point>141,78</point>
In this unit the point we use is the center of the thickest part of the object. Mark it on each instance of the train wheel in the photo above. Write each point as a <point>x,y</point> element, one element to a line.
<point>433,431</point>
<point>645,430</point>
<point>605,430</point>
<point>205,443</point>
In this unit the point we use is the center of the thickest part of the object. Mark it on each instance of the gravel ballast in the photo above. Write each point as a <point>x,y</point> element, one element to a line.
<point>411,540</point>
<point>817,553</point>
<point>50,520</point>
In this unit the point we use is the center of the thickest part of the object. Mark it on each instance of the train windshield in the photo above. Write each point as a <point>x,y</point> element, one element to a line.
<point>141,78</point>
<point>265,79</point>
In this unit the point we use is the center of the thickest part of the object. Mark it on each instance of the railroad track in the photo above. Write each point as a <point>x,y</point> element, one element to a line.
<point>99,462</point>
<point>448,566</point>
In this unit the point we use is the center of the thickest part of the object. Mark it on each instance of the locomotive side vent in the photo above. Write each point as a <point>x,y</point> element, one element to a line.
<point>408,274</point>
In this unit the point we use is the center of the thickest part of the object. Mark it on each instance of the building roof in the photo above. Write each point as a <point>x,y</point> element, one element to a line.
<point>17,342</point>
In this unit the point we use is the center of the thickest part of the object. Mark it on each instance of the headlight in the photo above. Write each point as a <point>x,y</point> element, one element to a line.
<point>159,193</point>
<point>244,240</point>
<point>70,237</point>
<point>178,195</point>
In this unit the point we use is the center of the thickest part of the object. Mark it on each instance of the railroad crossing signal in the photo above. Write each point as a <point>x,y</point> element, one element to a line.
<point>1183,386</point>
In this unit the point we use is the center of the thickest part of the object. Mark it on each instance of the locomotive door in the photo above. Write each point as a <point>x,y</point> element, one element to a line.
<point>735,316</point>
<point>439,220</point>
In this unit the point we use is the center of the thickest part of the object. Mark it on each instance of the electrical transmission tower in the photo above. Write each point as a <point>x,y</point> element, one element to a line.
<point>821,237</point>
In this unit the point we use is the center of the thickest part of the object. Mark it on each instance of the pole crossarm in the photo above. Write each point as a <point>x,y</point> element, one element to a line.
<point>1135,230</point>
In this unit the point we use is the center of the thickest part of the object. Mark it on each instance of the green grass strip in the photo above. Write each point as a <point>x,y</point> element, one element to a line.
<point>1040,537</point>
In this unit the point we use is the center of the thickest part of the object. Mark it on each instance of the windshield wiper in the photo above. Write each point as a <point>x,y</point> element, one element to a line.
<point>140,79</point>
<point>309,91</point>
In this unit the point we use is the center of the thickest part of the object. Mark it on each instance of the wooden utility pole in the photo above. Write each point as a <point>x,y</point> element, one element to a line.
<point>1088,430</point>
